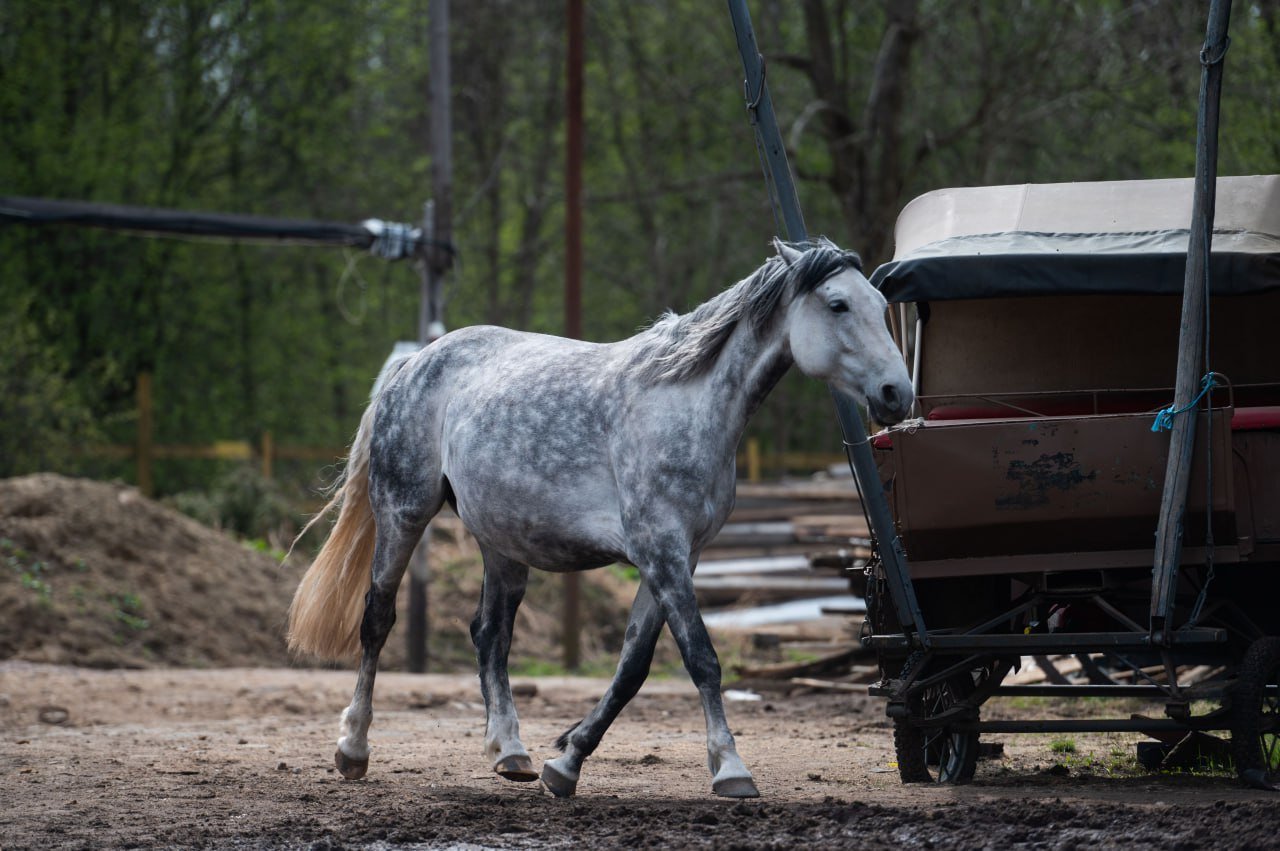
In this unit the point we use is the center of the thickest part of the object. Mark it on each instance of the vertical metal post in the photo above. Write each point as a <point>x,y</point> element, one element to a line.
<point>783,194</point>
<point>436,260</point>
<point>1177,477</point>
<point>573,271</point>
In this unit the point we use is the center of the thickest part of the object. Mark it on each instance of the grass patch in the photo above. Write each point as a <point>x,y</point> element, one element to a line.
<point>1063,746</point>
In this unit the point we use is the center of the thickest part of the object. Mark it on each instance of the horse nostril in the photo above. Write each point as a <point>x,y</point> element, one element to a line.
<point>892,399</point>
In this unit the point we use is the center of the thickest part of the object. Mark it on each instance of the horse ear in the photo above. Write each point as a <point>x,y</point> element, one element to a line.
<point>788,254</point>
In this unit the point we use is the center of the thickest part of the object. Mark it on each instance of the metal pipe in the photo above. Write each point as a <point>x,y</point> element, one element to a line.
<point>1090,725</point>
<point>1177,477</point>
<point>787,208</point>
<point>1064,642</point>
<point>915,365</point>
<point>1153,692</point>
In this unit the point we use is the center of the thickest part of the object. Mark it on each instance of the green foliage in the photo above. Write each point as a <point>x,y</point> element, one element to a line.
<point>625,571</point>
<point>318,110</point>
<point>1063,746</point>
<point>128,611</point>
<point>29,570</point>
<point>43,416</point>
<point>240,500</point>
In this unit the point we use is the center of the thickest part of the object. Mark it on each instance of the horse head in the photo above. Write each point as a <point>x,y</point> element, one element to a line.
<point>837,333</point>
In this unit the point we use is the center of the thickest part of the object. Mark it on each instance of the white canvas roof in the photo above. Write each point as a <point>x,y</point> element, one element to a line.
<point>1112,236</point>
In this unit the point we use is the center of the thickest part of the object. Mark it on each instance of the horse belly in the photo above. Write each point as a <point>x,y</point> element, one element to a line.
<point>546,525</point>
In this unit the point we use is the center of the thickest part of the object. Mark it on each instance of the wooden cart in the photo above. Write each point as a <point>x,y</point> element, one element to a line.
<point>1043,323</point>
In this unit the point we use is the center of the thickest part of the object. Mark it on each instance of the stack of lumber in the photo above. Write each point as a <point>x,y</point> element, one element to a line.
<point>784,541</point>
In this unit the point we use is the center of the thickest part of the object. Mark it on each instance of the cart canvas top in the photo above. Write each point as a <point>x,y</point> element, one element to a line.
<point>1108,237</point>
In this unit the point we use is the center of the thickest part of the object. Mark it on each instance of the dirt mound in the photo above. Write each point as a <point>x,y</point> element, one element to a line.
<point>98,575</point>
<point>95,574</point>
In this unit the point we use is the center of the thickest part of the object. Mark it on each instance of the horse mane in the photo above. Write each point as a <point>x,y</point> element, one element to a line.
<point>679,347</point>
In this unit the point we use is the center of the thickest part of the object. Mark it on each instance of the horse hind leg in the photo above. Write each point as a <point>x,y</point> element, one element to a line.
<point>504,586</point>
<point>560,775</point>
<point>394,545</point>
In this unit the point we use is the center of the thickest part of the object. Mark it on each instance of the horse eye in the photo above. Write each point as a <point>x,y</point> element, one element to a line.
<point>839,306</point>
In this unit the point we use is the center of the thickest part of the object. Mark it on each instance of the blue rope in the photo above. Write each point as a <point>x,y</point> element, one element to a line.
<point>1164,418</point>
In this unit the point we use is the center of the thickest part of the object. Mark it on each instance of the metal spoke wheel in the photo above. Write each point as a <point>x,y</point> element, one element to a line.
<point>936,754</point>
<point>1255,716</point>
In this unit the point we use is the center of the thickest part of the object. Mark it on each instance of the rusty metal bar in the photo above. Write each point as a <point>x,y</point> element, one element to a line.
<point>782,194</point>
<point>1090,725</point>
<point>1192,359</point>
<point>1064,642</point>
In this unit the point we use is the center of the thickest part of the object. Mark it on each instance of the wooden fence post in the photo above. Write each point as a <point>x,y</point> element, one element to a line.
<point>753,459</point>
<point>143,451</point>
<point>267,450</point>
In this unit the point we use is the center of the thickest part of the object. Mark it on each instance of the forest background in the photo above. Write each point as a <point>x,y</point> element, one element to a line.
<point>319,110</point>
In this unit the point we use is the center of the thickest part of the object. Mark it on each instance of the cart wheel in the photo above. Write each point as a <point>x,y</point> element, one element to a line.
<point>952,755</point>
<point>1255,716</point>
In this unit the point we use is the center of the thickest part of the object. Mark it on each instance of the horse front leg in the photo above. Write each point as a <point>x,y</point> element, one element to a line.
<point>390,557</point>
<point>671,583</point>
<point>504,586</point>
<point>560,775</point>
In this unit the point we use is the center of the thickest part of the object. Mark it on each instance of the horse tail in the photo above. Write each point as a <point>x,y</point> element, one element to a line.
<point>328,607</point>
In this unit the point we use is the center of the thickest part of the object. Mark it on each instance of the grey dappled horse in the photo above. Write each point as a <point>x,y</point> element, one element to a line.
<point>566,455</point>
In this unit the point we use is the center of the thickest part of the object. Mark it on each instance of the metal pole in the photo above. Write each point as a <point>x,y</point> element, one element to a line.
<point>1173,504</point>
<point>573,271</point>
<point>783,195</point>
<point>437,227</point>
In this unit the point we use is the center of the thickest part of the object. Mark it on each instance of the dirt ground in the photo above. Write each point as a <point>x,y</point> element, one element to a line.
<point>241,758</point>
<point>184,723</point>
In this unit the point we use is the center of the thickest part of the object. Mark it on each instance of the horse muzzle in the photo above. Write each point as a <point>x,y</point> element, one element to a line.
<point>892,403</point>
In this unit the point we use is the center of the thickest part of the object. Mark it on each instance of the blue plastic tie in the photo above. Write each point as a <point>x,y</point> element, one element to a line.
<point>1164,419</point>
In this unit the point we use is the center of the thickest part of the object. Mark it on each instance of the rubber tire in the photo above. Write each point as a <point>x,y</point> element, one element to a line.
<point>1260,667</point>
<point>955,755</point>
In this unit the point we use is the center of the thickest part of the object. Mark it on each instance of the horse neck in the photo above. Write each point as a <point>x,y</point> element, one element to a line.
<point>747,370</point>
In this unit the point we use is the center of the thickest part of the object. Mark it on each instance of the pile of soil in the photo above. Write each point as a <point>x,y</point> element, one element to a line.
<point>97,575</point>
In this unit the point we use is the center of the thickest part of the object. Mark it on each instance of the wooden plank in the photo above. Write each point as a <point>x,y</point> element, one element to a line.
<point>716,552</point>
<point>830,685</point>
<point>311,453</point>
<point>724,590</point>
<point>788,564</point>
<point>846,558</point>
<point>750,512</point>
<point>775,616</point>
<point>818,491</point>
<point>823,527</point>
<point>751,534</point>
<point>798,586</point>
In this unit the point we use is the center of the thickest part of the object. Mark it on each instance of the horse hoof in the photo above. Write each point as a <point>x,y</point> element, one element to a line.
<point>352,769</point>
<point>518,767</point>
<point>556,783</point>
<point>735,787</point>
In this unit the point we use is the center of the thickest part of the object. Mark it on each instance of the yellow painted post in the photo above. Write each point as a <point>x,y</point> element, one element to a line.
<point>143,452</point>
<point>268,448</point>
<point>753,459</point>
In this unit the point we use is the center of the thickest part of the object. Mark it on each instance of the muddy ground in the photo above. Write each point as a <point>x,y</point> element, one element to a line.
<point>242,759</point>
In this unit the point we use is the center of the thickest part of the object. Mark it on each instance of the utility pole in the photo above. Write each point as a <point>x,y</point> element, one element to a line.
<point>573,272</point>
<point>436,260</point>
